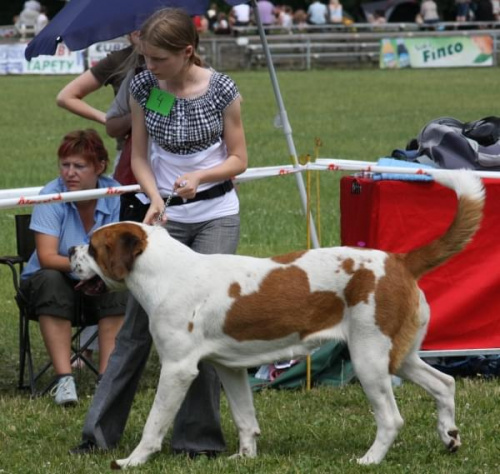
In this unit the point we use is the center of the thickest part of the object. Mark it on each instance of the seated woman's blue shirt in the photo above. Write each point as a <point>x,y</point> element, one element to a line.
<point>62,220</point>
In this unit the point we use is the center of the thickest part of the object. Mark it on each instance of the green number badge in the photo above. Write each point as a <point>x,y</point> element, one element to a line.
<point>160,101</point>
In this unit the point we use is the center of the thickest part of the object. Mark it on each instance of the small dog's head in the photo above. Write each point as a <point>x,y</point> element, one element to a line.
<point>110,256</point>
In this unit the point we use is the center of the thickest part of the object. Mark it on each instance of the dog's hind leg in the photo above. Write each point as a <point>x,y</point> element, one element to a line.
<point>442,388</point>
<point>175,380</point>
<point>239,396</point>
<point>371,364</point>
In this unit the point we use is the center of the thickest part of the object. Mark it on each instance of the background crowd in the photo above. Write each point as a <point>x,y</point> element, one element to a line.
<point>221,19</point>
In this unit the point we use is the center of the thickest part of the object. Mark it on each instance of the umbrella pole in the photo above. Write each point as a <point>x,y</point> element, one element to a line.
<point>287,129</point>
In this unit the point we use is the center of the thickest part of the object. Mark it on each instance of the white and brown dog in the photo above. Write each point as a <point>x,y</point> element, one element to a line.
<point>239,312</point>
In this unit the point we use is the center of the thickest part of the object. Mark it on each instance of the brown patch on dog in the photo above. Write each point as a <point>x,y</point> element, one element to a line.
<point>396,309</point>
<point>283,305</point>
<point>190,327</point>
<point>116,247</point>
<point>348,266</point>
<point>360,287</point>
<point>234,290</point>
<point>289,257</point>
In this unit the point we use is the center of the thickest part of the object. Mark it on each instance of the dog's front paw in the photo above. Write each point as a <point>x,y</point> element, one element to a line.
<point>454,442</point>
<point>243,453</point>
<point>368,459</point>
<point>126,463</point>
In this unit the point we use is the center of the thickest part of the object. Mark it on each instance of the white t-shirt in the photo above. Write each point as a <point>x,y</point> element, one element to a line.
<point>318,13</point>
<point>168,166</point>
<point>242,13</point>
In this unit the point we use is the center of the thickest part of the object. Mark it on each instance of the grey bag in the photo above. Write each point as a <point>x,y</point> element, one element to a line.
<point>443,142</point>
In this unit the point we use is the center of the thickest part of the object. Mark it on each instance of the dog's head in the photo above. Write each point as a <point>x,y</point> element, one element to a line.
<point>109,257</point>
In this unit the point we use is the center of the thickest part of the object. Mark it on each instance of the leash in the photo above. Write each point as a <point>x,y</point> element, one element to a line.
<point>162,213</point>
<point>167,202</point>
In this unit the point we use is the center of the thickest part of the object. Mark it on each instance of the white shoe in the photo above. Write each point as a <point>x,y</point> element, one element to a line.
<point>65,391</point>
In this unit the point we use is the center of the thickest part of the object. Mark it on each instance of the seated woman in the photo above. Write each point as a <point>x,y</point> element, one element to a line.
<point>47,280</point>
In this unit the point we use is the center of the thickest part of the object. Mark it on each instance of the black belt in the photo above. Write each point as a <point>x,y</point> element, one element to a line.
<point>211,193</point>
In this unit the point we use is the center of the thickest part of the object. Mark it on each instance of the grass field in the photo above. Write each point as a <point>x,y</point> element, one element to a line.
<point>362,114</point>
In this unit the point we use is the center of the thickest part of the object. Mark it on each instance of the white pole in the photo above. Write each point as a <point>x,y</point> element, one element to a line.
<point>323,164</point>
<point>22,201</point>
<point>10,193</point>
<point>287,129</point>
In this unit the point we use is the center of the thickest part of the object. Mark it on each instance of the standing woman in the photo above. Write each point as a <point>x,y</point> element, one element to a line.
<point>192,116</point>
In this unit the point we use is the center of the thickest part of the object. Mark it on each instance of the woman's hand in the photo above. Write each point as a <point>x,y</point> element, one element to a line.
<point>156,209</point>
<point>186,185</point>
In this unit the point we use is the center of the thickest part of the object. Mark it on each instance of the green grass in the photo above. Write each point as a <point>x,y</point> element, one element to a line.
<point>361,114</point>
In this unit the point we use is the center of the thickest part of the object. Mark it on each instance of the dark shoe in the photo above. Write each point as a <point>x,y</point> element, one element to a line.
<point>85,447</point>
<point>196,454</point>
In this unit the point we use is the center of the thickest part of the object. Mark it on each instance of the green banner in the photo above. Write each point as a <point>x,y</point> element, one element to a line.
<point>449,51</point>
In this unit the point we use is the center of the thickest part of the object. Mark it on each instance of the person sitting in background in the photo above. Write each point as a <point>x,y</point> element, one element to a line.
<point>25,22</point>
<point>284,14</point>
<point>429,12</point>
<point>266,12</point>
<point>42,20</point>
<point>317,13</point>
<point>47,280</point>
<point>211,16</point>
<point>462,10</point>
<point>300,19</point>
<point>240,15</point>
<point>32,5</point>
<point>222,26</point>
<point>335,13</point>
<point>201,23</point>
<point>495,5</point>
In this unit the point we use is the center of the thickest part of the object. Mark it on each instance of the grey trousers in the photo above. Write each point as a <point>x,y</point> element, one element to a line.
<point>197,425</point>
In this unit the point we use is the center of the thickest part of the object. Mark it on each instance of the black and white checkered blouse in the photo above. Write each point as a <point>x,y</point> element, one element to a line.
<point>193,125</point>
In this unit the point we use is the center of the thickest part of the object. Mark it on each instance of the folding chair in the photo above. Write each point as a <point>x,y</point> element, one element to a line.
<point>25,242</point>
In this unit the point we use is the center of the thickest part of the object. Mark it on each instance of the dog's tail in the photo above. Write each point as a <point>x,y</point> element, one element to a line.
<point>471,195</point>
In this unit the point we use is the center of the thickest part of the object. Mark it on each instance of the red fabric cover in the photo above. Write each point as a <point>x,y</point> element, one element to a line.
<point>464,293</point>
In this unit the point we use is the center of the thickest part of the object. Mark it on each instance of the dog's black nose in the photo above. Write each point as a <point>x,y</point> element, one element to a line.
<point>71,251</point>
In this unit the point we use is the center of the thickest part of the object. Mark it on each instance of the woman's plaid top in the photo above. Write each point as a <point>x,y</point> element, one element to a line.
<point>193,125</point>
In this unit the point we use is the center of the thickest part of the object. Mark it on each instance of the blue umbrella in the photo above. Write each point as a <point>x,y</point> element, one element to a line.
<point>84,22</point>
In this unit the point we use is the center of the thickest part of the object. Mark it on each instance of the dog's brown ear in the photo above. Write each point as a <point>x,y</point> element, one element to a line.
<point>123,250</point>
